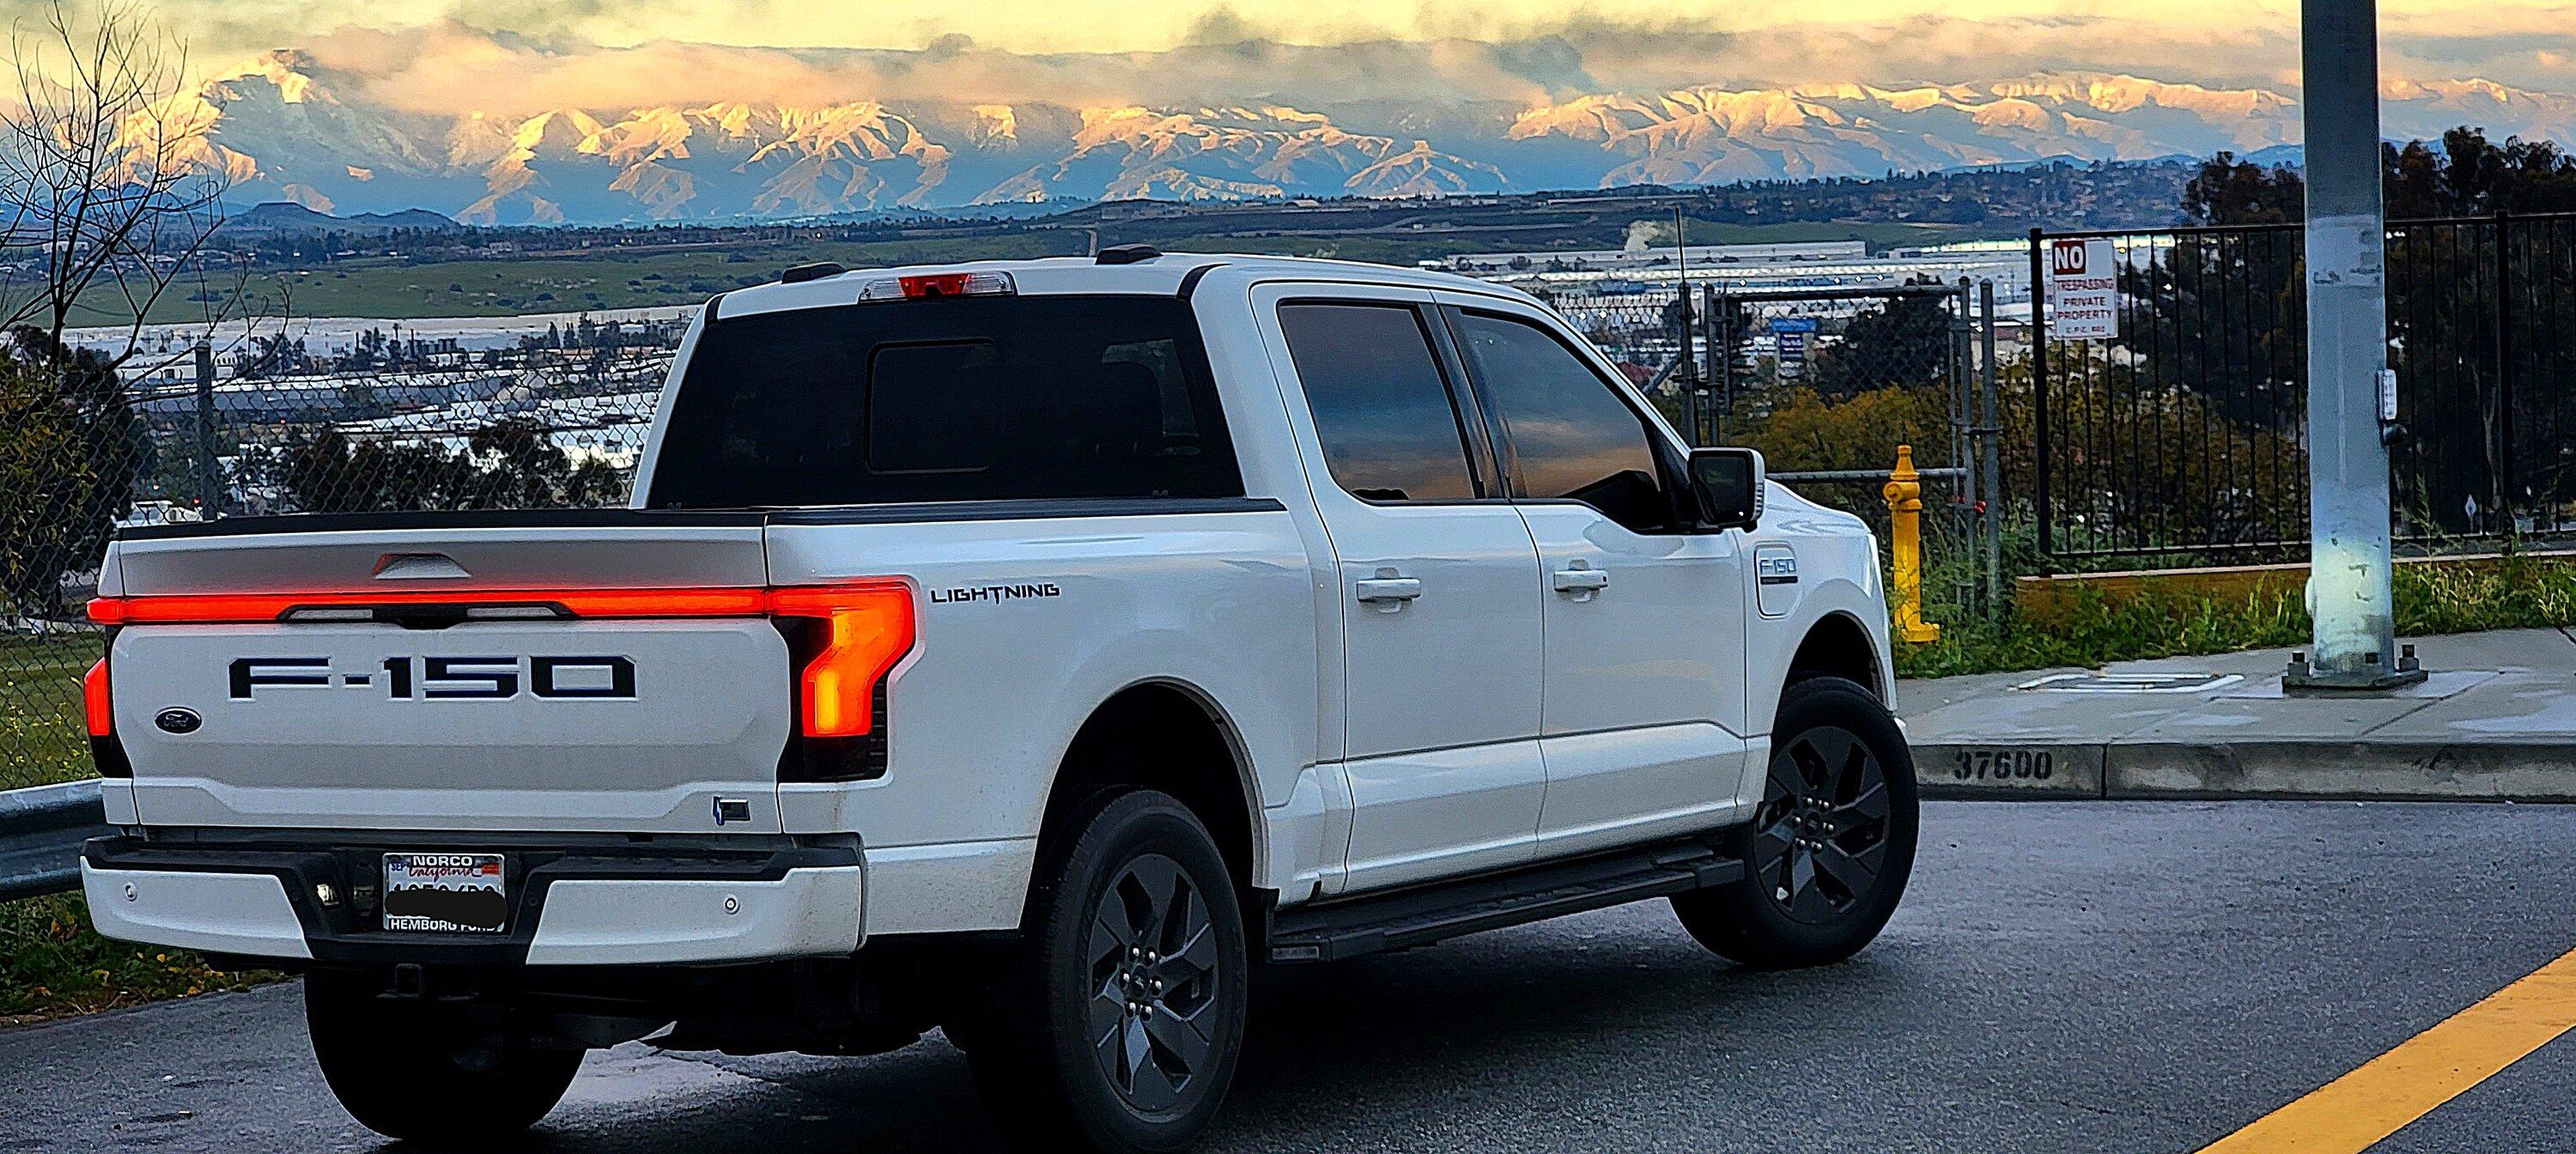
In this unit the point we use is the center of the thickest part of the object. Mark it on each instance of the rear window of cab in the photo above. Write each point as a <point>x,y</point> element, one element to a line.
<point>955,399</point>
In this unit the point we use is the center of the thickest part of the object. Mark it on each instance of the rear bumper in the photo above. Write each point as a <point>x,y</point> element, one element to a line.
<point>604,904</point>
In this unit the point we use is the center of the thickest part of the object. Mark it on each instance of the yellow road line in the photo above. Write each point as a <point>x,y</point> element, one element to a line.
<point>2350,1113</point>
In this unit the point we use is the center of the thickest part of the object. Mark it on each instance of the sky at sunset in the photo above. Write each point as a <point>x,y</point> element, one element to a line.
<point>506,55</point>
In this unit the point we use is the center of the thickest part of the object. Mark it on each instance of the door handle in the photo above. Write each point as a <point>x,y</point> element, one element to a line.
<point>1581,580</point>
<point>1389,593</point>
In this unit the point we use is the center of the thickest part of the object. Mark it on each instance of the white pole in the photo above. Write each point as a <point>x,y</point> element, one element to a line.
<point>2348,515</point>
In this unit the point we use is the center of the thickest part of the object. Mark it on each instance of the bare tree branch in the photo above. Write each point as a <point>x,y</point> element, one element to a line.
<point>111,177</point>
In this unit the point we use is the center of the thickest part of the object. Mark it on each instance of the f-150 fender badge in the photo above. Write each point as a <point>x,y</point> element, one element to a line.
<point>177,720</point>
<point>1775,576</point>
<point>1775,565</point>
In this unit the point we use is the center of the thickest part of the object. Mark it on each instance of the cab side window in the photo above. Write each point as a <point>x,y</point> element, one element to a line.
<point>1383,412</point>
<point>1571,436</point>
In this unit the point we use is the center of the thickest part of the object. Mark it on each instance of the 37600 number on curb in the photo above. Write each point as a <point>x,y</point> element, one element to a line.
<point>2005,765</point>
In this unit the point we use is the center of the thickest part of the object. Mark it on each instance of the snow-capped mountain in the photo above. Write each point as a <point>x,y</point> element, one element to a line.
<point>1234,154</point>
<point>1706,135</point>
<point>286,129</point>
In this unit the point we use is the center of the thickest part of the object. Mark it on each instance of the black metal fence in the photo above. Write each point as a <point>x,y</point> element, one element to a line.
<point>2185,434</point>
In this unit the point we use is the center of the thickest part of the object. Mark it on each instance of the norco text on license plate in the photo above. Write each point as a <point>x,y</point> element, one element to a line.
<point>445,893</point>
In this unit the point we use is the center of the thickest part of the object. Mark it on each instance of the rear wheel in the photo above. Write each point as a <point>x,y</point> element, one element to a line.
<point>1120,1021</point>
<point>430,1072</point>
<point>1829,849</point>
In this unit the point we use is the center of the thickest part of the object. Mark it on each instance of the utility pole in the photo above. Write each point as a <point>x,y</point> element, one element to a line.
<point>210,485</point>
<point>2351,394</point>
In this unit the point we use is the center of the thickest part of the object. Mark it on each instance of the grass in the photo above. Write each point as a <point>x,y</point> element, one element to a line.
<point>52,963</point>
<point>2518,593</point>
<point>41,738</point>
<point>551,284</point>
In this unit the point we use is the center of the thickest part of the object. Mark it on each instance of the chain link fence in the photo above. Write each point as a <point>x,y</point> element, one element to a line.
<point>1829,382</point>
<point>1641,329</point>
<point>381,424</point>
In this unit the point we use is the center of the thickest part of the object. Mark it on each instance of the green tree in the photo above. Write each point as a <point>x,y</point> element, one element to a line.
<point>2468,175</point>
<point>2232,191</point>
<point>516,466</point>
<point>71,448</point>
<point>512,463</point>
<point>1904,341</point>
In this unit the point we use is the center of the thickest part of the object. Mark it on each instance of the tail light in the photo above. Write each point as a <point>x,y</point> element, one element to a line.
<point>96,707</point>
<point>860,632</point>
<point>98,715</point>
<point>946,284</point>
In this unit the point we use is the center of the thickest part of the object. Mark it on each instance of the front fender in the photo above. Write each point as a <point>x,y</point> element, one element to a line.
<point>1837,575</point>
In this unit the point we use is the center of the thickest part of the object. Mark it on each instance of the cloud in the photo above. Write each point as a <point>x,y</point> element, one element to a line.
<point>1227,57</point>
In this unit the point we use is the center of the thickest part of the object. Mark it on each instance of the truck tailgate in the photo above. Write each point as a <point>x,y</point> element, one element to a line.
<point>429,676</point>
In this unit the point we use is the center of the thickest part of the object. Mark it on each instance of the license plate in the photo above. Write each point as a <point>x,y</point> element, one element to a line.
<point>445,893</point>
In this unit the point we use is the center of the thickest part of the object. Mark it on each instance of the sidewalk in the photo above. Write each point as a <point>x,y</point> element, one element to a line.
<point>2496,720</point>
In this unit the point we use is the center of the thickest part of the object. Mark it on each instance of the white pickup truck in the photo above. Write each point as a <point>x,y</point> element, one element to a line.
<point>1023,649</point>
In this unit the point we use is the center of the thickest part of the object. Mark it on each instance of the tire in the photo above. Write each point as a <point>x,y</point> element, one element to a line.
<point>438,1074</point>
<point>1830,847</point>
<point>1082,1048</point>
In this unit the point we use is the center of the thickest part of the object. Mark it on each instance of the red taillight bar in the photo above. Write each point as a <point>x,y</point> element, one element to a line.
<point>249,608</point>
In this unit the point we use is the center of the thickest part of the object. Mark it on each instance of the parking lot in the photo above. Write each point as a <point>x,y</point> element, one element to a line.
<point>2083,976</point>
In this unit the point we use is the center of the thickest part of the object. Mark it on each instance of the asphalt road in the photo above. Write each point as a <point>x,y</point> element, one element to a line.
<point>2095,977</point>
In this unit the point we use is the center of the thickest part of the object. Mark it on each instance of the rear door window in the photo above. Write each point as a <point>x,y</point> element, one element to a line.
<point>1383,412</point>
<point>967,399</point>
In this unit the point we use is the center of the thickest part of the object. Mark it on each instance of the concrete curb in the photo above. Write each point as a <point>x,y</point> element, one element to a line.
<point>2362,771</point>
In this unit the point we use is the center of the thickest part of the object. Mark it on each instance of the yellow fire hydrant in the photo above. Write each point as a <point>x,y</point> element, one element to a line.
<point>1904,493</point>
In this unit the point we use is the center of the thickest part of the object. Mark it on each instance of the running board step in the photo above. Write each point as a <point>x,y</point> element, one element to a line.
<point>1421,915</point>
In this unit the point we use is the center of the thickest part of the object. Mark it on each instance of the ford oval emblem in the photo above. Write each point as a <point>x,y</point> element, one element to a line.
<point>176,720</point>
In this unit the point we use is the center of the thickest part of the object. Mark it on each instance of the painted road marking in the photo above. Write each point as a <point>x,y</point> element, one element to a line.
<point>2350,1113</point>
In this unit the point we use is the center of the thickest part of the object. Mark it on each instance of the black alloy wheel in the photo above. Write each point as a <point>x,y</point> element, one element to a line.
<point>1115,1023</point>
<point>1831,844</point>
<point>1821,839</point>
<point>1154,970</point>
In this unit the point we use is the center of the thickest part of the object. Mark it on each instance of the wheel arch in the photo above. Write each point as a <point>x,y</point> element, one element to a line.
<point>1170,735</point>
<point>1837,645</point>
<point>1828,636</point>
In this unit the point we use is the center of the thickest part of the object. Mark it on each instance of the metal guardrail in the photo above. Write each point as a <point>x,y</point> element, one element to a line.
<point>41,831</point>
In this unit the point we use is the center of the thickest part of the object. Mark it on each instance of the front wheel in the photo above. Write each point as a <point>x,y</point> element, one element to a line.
<point>439,1074</point>
<point>1121,1018</point>
<point>1829,849</point>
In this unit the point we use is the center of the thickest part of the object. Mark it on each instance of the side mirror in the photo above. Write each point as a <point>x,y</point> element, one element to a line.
<point>1729,484</point>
